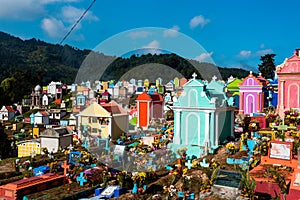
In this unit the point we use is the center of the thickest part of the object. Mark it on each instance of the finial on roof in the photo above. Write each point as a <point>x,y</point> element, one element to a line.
<point>251,73</point>
<point>214,78</point>
<point>194,75</point>
<point>260,74</point>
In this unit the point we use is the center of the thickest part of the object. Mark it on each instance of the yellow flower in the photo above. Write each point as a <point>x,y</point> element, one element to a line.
<point>185,170</point>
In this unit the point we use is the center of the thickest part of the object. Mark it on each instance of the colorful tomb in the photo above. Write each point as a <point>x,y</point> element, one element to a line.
<point>289,83</point>
<point>202,118</point>
<point>253,94</point>
<point>18,189</point>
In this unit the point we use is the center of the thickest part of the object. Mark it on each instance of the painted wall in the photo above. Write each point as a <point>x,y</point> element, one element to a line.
<point>289,83</point>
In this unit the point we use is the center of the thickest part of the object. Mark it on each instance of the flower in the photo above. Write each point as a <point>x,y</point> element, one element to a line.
<point>231,147</point>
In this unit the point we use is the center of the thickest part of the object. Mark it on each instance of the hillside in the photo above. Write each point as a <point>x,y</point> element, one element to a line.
<point>26,63</point>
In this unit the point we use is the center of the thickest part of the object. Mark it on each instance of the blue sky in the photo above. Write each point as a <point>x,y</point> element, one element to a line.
<point>231,33</point>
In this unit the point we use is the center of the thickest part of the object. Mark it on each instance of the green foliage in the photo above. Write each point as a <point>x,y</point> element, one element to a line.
<point>249,185</point>
<point>267,66</point>
<point>26,63</point>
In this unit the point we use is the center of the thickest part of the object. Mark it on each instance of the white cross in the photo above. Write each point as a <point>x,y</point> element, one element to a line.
<point>214,78</point>
<point>194,75</point>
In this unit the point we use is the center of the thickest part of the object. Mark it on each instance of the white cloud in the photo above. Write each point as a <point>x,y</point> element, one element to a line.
<point>57,28</point>
<point>172,32</point>
<point>53,27</point>
<point>203,56</point>
<point>153,47</point>
<point>138,34</point>
<point>263,52</point>
<point>245,53</point>
<point>26,9</point>
<point>199,20</point>
<point>71,14</point>
<point>20,9</point>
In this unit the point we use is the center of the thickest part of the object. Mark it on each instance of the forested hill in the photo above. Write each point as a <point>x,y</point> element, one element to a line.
<point>44,61</point>
<point>26,63</point>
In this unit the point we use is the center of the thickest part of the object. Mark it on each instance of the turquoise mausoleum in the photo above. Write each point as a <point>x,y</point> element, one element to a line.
<point>202,117</point>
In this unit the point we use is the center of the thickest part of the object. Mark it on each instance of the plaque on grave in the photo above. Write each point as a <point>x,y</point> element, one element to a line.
<point>280,150</point>
<point>119,149</point>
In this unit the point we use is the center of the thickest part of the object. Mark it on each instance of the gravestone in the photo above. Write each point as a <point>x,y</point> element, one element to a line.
<point>227,184</point>
<point>108,192</point>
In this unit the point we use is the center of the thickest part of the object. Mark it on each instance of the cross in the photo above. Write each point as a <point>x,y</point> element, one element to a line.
<point>81,179</point>
<point>194,75</point>
<point>189,164</point>
<point>214,78</point>
<point>204,163</point>
<point>66,167</point>
<point>282,127</point>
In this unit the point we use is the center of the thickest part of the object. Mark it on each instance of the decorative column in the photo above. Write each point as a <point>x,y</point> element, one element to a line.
<point>138,114</point>
<point>241,103</point>
<point>282,95</point>
<point>149,113</point>
<point>262,101</point>
<point>207,128</point>
<point>212,128</point>
<point>217,129</point>
<point>177,127</point>
<point>258,102</point>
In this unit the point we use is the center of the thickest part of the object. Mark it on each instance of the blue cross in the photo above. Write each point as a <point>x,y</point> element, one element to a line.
<point>81,179</point>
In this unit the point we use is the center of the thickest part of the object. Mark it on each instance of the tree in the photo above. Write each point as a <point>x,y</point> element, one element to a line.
<point>267,66</point>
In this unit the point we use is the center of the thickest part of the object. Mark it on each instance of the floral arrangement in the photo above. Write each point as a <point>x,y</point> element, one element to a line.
<point>264,146</point>
<point>275,174</point>
<point>139,178</point>
<point>231,148</point>
<point>253,125</point>
<point>291,116</point>
<point>254,161</point>
<point>215,164</point>
<point>271,117</point>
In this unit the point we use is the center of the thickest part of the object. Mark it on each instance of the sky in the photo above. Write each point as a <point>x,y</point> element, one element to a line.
<point>228,33</point>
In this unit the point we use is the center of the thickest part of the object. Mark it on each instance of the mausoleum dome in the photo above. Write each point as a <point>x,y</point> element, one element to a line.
<point>37,88</point>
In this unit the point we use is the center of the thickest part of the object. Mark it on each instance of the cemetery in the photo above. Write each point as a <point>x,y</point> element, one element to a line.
<point>193,139</point>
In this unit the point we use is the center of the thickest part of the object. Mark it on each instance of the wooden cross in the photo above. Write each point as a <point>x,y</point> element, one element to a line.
<point>66,167</point>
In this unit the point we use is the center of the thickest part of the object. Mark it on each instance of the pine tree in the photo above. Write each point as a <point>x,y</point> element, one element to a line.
<point>267,66</point>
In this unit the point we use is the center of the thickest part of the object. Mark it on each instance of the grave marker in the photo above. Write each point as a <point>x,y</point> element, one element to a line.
<point>81,179</point>
<point>188,164</point>
<point>65,166</point>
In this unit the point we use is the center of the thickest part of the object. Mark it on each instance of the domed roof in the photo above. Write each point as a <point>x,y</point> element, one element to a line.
<point>37,88</point>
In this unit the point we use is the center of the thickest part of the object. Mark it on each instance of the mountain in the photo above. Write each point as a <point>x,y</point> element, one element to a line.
<point>50,62</point>
<point>26,63</point>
